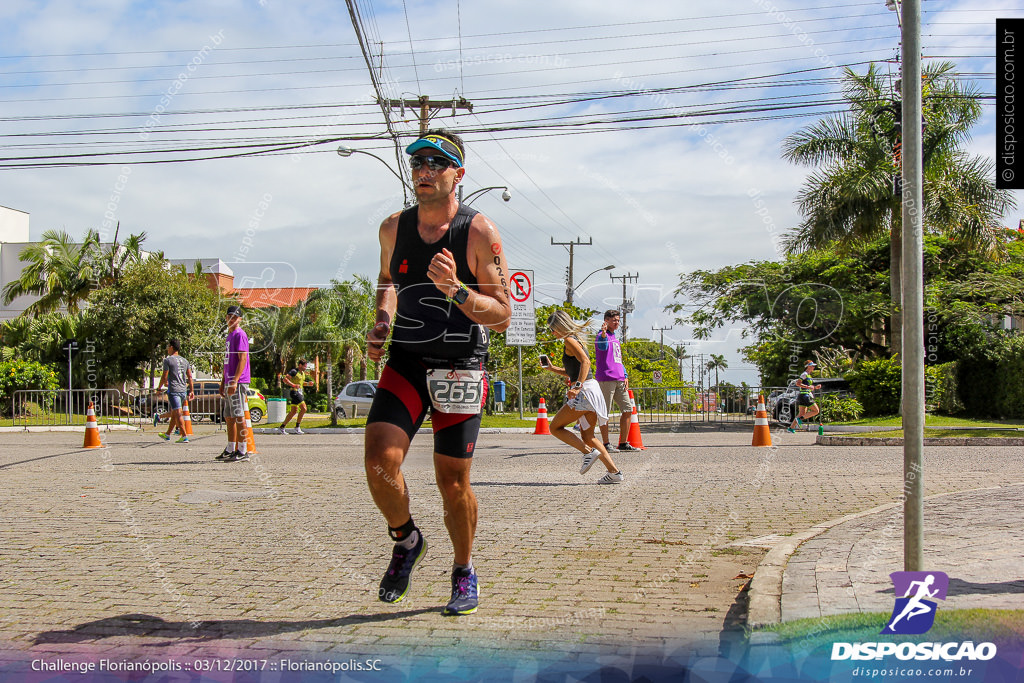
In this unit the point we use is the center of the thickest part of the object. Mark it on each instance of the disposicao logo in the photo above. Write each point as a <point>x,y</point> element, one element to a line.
<point>914,613</point>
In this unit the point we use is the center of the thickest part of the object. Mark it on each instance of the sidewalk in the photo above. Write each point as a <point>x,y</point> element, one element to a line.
<point>843,566</point>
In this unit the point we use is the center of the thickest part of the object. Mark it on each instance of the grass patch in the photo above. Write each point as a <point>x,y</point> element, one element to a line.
<point>980,625</point>
<point>938,433</point>
<point>934,421</point>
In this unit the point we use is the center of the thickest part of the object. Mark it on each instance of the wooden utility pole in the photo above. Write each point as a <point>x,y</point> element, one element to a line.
<point>627,305</point>
<point>425,105</point>
<point>569,284</point>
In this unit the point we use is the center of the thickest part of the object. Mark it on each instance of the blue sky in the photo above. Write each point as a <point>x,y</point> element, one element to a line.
<point>656,201</point>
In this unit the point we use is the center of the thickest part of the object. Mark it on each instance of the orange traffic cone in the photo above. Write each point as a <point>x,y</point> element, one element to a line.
<point>542,419</point>
<point>634,426</point>
<point>92,429</point>
<point>250,440</point>
<point>186,420</point>
<point>762,432</point>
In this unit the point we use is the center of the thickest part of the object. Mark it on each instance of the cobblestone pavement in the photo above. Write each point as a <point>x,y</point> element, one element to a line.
<point>973,536</point>
<point>153,547</point>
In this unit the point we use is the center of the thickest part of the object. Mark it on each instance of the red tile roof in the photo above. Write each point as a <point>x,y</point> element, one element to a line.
<point>265,297</point>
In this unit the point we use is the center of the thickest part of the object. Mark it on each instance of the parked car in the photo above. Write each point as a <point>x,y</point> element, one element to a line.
<point>786,407</point>
<point>355,398</point>
<point>208,404</point>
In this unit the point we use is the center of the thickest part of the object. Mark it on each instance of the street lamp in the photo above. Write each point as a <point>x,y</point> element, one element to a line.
<point>345,151</point>
<point>570,290</point>
<point>467,200</point>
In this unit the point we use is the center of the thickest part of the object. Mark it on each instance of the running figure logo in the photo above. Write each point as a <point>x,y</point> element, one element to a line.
<point>914,613</point>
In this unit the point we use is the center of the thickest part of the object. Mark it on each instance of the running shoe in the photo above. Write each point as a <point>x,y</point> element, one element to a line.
<point>611,478</point>
<point>237,456</point>
<point>465,593</point>
<point>800,421</point>
<point>790,430</point>
<point>280,430</point>
<point>588,460</point>
<point>164,436</point>
<point>628,447</point>
<point>156,419</point>
<point>183,439</point>
<point>397,579</point>
<point>225,454</point>
<point>297,431</point>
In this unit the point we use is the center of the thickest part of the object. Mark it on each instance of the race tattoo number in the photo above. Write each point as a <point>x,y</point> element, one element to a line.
<point>456,391</point>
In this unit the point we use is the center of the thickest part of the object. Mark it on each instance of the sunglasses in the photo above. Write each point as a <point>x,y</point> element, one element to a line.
<point>417,161</point>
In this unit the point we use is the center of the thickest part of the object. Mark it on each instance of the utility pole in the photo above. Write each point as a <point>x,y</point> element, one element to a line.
<point>912,291</point>
<point>627,305</point>
<point>662,330</point>
<point>425,105</point>
<point>571,245</point>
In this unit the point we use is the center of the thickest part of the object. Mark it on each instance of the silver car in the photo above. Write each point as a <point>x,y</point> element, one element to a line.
<point>355,398</point>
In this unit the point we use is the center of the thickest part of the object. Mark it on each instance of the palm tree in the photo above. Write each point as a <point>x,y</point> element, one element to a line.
<point>717,363</point>
<point>60,272</point>
<point>851,196</point>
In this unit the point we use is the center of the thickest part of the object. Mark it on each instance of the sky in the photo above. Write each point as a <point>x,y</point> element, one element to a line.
<point>703,186</point>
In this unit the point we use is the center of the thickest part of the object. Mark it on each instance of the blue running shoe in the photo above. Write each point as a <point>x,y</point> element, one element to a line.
<point>800,421</point>
<point>465,593</point>
<point>396,581</point>
<point>790,430</point>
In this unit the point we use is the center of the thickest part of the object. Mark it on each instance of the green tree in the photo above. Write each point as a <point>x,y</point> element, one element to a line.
<point>850,197</point>
<point>717,363</point>
<point>60,271</point>
<point>129,322</point>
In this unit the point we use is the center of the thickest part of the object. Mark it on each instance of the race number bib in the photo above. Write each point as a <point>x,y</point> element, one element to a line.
<point>456,391</point>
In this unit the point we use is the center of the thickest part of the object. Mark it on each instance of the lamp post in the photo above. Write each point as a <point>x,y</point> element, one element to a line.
<point>344,151</point>
<point>571,289</point>
<point>468,199</point>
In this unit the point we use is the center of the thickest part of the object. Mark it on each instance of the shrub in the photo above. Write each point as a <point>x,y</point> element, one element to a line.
<point>878,384</point>
<point>836,408</point>
<point>259,384</point>
<point>942,388</point>
<point>23,374</point>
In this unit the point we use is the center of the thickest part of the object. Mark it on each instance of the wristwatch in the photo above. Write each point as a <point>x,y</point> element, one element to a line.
<point>577,385</point>
<point>461,294</point>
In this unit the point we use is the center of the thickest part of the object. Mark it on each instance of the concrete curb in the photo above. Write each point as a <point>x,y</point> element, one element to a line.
<point>68,428</point>
<point>825,440</point>
<point>765,597</point>
<point>765,607</point>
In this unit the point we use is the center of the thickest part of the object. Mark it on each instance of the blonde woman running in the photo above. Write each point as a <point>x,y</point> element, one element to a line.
<point>585,403</point>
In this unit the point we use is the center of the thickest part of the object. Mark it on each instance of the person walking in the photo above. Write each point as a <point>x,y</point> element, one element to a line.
<point>443,284</point>
<point>805,399</point>
<point>234,385</point>
<point>296,379</point>
<point>584,403</point>
<point>178,378</point>
<point>611,376</point>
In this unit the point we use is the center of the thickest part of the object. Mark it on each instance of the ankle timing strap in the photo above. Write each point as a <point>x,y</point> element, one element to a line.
<point>402,532</point>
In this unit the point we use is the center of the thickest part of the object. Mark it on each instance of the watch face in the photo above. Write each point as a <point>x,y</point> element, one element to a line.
<point>461,295</point>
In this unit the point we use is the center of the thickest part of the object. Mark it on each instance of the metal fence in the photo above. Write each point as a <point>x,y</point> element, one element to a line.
<point>63,407</point>
<point>696,406</point>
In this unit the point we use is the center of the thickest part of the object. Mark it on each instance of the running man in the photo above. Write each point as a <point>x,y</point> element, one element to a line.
<point>915,606</point>
<point>805,399</point>
<point>442,286</point>
<point>234,385</point>
<point>296,379</point>
<point>178,378</point>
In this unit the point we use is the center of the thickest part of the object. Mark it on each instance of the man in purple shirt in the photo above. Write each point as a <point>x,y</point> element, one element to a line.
<point>611,375</point>
<point>234,386</point>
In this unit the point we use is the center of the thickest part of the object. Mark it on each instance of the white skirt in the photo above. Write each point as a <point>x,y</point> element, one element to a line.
<point>590,400</point>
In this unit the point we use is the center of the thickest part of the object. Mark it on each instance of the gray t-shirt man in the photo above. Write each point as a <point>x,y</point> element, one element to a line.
<point>176,368</point>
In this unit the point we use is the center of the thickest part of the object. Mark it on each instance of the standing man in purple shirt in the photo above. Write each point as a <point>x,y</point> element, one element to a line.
<point>234,386</point>
<point>611,375</point>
